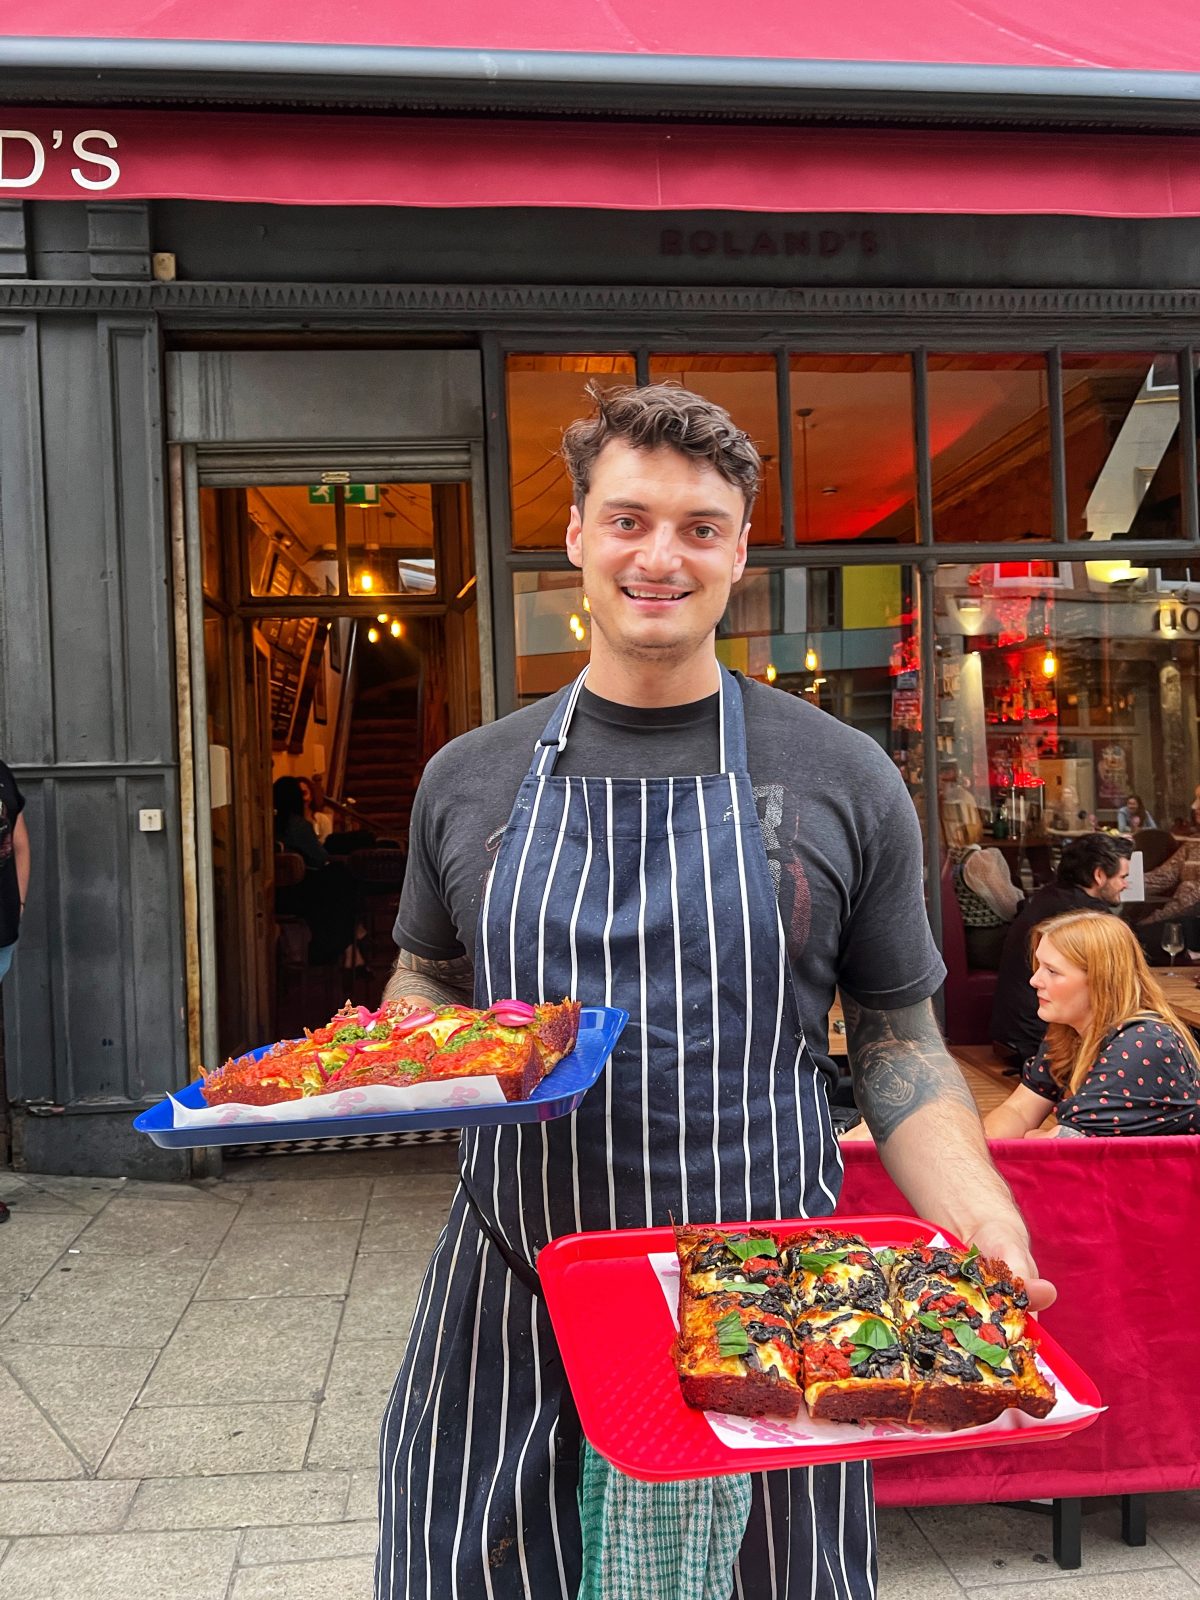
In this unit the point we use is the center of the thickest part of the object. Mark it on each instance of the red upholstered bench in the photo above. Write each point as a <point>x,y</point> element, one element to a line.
<point>1114,1225</point>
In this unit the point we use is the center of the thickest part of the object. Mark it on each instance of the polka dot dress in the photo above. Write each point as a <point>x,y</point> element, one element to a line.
<point>1143,1082</point>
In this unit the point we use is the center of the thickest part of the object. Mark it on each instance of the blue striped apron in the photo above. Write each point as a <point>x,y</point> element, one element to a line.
<point>654,895</point>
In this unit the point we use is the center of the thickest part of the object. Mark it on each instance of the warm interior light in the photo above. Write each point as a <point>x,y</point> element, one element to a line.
<point>771,673</point>
<point>382,617</point>
<point>1114,571</point>
<point>587,604</point>
<point>810,660</point>
<point>1049,663</point>
<point>373,635</point>
<point>574,623</point>
<point>366,582</point>
<point>397,629</point>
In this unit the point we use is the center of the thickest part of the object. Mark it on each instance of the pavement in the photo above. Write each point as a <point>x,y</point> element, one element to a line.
<point>192,1377</point>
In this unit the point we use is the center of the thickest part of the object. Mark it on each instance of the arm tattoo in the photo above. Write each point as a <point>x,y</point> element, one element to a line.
<point>440,982</point>
<point>899,1063</point>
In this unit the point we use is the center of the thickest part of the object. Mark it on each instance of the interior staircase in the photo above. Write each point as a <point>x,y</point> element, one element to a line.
<point>383,759</point>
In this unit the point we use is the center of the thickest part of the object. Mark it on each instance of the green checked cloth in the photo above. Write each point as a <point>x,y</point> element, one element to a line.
<point>658,1541</point>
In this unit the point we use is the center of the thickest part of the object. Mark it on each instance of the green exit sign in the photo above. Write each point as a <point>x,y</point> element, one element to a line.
<point>357,494</point>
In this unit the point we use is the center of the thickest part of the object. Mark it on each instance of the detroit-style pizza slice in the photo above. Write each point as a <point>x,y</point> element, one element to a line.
<point>962,1317</point>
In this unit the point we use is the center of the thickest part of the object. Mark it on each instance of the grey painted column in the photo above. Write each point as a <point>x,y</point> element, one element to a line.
<point>93,1008</point>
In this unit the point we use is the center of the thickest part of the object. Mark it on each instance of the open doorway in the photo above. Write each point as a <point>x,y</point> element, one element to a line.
<point>341,650</point>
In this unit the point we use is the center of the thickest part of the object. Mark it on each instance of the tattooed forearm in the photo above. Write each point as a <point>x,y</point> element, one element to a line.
<point>440,982</point>
<point>899,1063</point>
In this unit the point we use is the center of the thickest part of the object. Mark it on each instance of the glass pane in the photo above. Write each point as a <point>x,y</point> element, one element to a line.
<point>552,629</point>
<point>390,540</point>
<point>852,448</point>
<point>745,386</point>
<point>1121,414</point>
<point>1062,691</point>
<point>291,544</point>
<point>845,638</point>
<point>545,394</point>
<point>989,439</point>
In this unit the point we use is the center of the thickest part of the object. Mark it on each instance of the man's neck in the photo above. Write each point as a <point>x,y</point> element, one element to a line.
<point>632,683</point>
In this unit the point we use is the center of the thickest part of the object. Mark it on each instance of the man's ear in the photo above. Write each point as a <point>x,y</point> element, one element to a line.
<point>575,538</point>
<point>742,553</point>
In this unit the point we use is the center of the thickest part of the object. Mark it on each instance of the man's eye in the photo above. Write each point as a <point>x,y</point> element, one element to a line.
<point>705,530</point>
<point>626,524</point>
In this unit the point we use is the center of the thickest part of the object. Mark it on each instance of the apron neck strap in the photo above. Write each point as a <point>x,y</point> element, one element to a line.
<point>731,728</point>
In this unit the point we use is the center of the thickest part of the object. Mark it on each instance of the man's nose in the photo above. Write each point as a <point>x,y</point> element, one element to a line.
<point>660,551</point>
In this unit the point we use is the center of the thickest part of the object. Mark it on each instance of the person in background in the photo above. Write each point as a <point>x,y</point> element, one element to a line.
<point>1133,815</point>
<point>322,822</point>
<point>1116,1059</point>
<point>325,898</point>
<point>988,900</point>
<point>14,876</point>
<point>1092,871</point>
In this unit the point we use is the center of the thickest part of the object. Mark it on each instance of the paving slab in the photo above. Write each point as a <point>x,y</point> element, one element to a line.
<point>145,1224</point>
<point>909,1568</point>
<point>85,1393</point>
<point>8,1304</point>
<point>360,1381</point>
<point>90,1195</point>
<point>989,1545</point>
<point>1173,1522</point>
<point>52,1508</point>
<point>240,1500</point>
<point>414,1226</point>
<point>107,1300</point>
<point>29,1446</point>
<point>383,1295</point>
<point>131,1566</point>
<point>229,1350</point>
<point>31,1242</point>
<point>186,1441</point>
<point>350,1578</point>
<point>364,1494</point>
<point>1163,1583</point>
<point>305,1200</point>
<point>416,1185</point>
<point>281,1260</point>
<point>273,1546</point>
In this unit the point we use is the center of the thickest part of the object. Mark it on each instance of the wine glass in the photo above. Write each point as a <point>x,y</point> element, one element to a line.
<point>1173,939</point>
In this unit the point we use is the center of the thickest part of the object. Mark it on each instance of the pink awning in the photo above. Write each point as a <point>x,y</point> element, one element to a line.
<point>1022,33</point>
<point>306,159</point>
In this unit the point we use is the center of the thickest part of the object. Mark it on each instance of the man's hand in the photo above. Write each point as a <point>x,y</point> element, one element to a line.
<point>1011,1245</point>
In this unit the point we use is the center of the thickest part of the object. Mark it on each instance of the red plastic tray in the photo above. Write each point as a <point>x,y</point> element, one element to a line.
<point>614,1329</point>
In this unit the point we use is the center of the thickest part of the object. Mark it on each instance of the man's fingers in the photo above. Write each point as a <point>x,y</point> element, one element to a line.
<point>1041,1292</point>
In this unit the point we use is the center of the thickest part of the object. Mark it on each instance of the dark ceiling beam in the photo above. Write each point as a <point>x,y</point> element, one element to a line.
<point>546,83</point>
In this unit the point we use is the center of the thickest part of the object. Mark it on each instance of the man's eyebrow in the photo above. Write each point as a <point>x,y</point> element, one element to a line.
<point>702,514</point>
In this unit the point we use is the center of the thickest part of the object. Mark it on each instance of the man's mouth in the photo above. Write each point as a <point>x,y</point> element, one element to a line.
<point>645,592</point>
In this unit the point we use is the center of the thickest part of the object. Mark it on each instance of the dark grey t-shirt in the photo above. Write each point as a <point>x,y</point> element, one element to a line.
<point>842,838</point>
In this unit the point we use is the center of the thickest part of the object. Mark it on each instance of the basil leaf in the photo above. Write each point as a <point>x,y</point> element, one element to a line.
<point>731,1336</point>
<point>971,1254</point>
<point>875,1335</point>
<point>862,1353</point>
<point>818,1260</point>
<point>995,1355</point>
<point>743,1249</point>
<point>928,1320</point>
<point>886,1257</point>
<point>743,1288</point>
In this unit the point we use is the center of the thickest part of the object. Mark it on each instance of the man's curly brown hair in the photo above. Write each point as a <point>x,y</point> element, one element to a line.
<point>655,416</point>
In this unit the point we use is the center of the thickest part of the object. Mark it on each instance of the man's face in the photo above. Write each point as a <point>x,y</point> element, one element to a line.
<point>661,540</point>
<point>1109,889</point>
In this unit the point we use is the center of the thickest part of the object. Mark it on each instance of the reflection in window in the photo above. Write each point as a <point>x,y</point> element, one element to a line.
<point>852,448</point>
<point>1121,421</point>
<point>745,385</point>
<point>1061,690</point>
<point>545,394</point>
<point>552,631</point>
<point>290,533</point>
<point>989,439</point>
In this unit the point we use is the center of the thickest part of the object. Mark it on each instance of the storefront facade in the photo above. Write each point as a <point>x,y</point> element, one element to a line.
<point>977,541</point>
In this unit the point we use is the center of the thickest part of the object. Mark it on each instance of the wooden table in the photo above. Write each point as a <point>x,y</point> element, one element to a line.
<point>1179,986</point>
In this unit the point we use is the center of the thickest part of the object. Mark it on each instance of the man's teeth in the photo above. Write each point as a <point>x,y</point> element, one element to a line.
<point>654,594</point>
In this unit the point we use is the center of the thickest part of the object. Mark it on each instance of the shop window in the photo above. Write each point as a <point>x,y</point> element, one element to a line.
<point>989,442</point>
<point>851,418</point>
<point>552,628</point>
<point>1121,425</point>
<point>289,532</point>
<point>546,393</point>
<point>1062,690</point>
<point>745,384</point>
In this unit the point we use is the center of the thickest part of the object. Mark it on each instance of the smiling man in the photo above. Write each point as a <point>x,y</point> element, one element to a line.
<point>715,856</point>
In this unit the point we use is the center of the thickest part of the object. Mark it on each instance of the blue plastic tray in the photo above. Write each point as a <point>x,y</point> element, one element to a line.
<point>558,1094</point>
